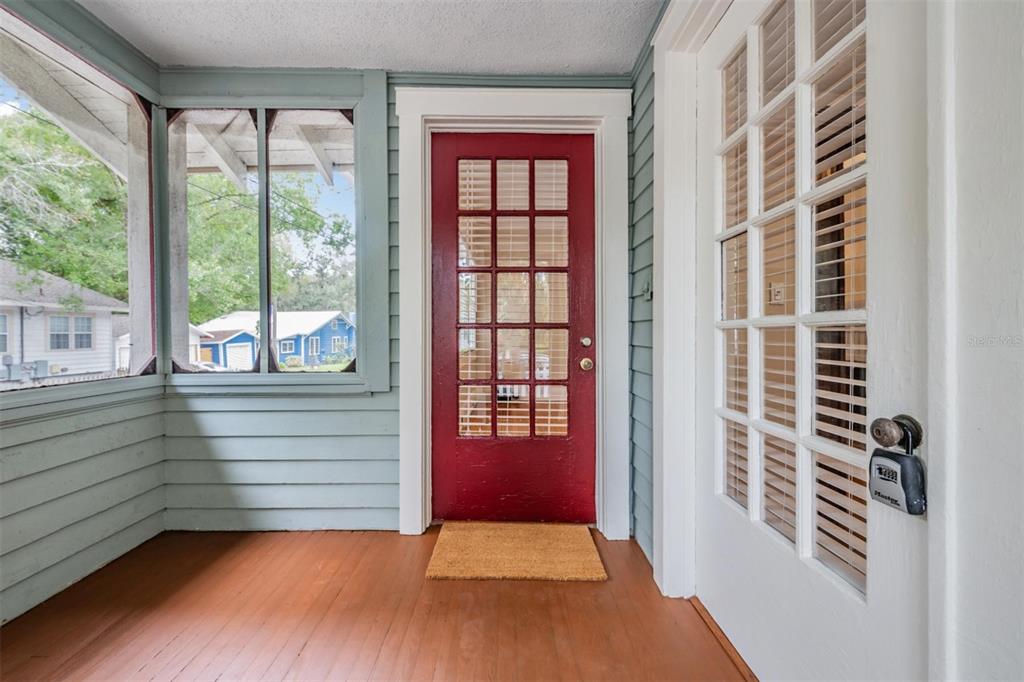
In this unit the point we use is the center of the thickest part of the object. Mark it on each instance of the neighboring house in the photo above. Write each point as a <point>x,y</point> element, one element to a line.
<point>124,346</point>
<point>304,338</point>
<point>53,330</point>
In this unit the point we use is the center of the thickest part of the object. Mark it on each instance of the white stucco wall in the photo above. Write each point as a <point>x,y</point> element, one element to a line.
<point>983,478</point>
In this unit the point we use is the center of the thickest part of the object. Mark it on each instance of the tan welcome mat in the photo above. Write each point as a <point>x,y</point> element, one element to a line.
<point>518,551</point>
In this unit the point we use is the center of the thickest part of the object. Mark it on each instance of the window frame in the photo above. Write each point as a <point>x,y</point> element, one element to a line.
<point>4,333</point>
<point>365,93</point>
<point>291,346</point>
<point>309,345</point>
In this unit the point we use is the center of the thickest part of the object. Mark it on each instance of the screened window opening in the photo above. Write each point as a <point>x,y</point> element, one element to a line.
<point>212,159</point>
<point>75,266</point>
<point>313,241</point>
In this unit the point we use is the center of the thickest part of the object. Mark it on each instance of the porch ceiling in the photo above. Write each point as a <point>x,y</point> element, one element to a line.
<point>444,36</point>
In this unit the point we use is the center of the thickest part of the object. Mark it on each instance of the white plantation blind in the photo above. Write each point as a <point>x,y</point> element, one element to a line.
<point>780,486</point>
<point>779,156</point>
<point>840,251</point>
<point>734,92</point>
<point>736,462</point>
<point>840,518</point>
<point>833,21</point>
<point>840,115</point>
<point>779,366</point>
<point>552,184</point>
<point>735,358</point>
<point>840,384</point>
<point>778,50</point>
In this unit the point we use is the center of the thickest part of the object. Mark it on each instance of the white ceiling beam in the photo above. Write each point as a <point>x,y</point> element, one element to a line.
<point>307,137</point>
<point>34,82</point>
<point>223,155</point>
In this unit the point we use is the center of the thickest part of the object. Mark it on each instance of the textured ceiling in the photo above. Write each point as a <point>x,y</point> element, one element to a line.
<point>445,36</point>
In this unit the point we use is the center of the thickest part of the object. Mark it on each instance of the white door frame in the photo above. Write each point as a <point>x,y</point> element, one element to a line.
<point>682,31</point>
<point>603,113</point>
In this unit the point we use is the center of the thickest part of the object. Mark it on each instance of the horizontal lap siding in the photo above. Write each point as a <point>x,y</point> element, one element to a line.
<point>76,491</point>
<point>281,463</point>
<point>641,269</point>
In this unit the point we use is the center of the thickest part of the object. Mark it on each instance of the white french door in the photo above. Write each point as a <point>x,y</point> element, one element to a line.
<point>811,247</point>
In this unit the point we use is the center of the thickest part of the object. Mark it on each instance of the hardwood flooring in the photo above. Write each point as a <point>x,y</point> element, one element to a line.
<point>352,606</point>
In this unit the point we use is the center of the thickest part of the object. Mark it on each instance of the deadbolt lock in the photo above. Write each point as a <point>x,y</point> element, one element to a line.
<point>586,364</point>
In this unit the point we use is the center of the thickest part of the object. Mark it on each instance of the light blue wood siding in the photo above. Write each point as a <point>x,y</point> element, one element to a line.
<point>641,175</point>
<point>77,490</point>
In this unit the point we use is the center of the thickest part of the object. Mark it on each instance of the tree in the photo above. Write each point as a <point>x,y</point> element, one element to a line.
<point>61,210</point>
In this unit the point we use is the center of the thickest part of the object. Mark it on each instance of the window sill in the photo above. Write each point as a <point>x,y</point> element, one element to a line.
<point>50,400</point>
<point>225,383</point>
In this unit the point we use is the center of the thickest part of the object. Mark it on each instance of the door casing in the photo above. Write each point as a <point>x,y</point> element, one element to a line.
<point>603,113</point>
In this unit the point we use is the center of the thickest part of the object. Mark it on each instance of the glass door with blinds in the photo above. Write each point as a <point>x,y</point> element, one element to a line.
<point>815,255</point>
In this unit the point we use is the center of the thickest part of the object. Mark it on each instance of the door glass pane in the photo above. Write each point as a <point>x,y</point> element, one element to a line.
<point>513,297</point>
<point>475,297</point>
<point>513,354</point>
<point>840,384</point>
<point>552,241</point>
<point>840,251</point>
<point>841,518</point>
<point>780,375</point>
<point>474,184</point>
<point>736,462</point>
<point>833,21</point>
<point>734,172</point>
<point>551,411</point>
<point>474,353</point>
<point>734,278</point>
<point>840,116</point>
<point>780,486</point>
<point>474,241</point>
<point>513,410</point>
<point>552,297</point>
<point>552,185</point>
<point>779,157</point>
<point>735,369</point>
<point>513,185</point>
<point>779,264</point>
<point>551,353</point>
<point>513,241</point>
<point>474,410</point>
<point>734,92</point>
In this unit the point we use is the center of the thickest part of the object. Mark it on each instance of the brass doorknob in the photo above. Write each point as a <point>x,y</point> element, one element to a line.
<point>586,364</point>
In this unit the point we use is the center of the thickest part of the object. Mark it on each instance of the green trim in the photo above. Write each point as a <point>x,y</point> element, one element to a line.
<point>182,87</point>
<point>161,238</point>
<point>506,81</point>
<point>72,26</point>
<point>373,317</point>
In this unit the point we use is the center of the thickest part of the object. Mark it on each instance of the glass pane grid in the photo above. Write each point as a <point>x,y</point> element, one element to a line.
<point>735,369</point>
<point>736,462</point>
<point>840,115</point>
<point>840,251</point>
<point>840,385</point>
<point>779,367</point>
<point>734,278</point>
<point>779,486</point>
<point>526,283</point>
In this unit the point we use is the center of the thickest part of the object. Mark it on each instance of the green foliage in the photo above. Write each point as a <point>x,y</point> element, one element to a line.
<point>61,210</point>
<point>64,212</point>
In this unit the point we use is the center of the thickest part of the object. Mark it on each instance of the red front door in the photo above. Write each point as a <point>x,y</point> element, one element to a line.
<point>513,318</point>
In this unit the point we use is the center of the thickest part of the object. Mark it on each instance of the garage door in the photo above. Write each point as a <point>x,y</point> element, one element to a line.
<point>239,356</point>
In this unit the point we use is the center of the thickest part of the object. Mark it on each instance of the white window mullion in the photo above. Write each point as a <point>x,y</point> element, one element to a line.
<point>804,282</point>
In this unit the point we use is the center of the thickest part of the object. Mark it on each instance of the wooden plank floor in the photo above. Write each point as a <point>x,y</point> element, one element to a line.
<point>351,605</point>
